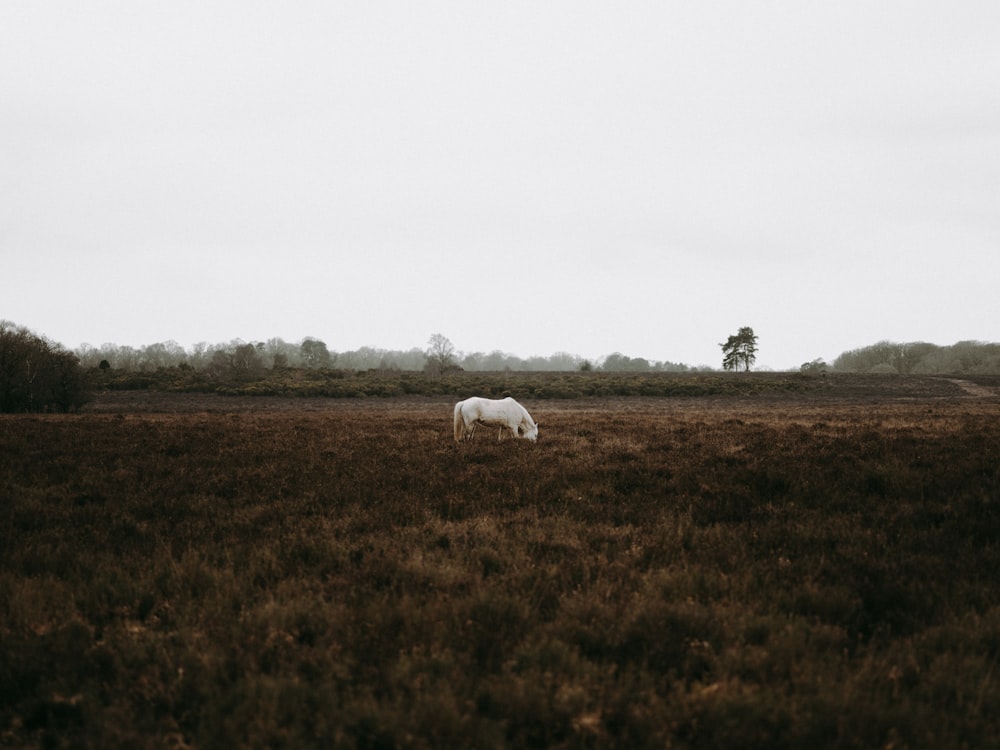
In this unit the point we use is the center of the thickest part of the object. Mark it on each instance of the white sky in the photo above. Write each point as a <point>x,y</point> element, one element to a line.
<point>533,177</point>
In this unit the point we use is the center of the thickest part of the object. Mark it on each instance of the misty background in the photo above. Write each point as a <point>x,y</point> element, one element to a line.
<point>239,358</point>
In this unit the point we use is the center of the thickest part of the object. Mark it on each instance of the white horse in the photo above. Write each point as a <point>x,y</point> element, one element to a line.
<point>506,414</point>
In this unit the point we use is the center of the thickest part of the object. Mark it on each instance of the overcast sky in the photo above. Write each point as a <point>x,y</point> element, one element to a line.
<point>533,177</point>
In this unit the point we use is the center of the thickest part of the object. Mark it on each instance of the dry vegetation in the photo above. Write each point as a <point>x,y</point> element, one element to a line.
<point>811,570</point>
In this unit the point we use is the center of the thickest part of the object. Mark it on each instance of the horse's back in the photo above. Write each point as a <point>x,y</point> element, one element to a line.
<point>490,409</point>
<point>471,405</point>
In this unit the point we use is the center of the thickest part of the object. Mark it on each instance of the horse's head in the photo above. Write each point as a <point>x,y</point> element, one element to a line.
<point>530,433</point>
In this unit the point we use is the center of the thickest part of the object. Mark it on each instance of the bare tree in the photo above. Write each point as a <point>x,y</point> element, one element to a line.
<point>440,355</point>
<point>238,361</point>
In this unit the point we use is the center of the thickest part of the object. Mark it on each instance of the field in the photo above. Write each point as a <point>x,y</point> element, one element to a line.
<point>787,569</point>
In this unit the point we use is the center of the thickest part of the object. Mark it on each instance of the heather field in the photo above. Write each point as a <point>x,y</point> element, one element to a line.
<point>770,567</point>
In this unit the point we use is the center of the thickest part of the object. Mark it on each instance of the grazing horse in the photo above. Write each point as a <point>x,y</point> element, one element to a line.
<point>506,414</point>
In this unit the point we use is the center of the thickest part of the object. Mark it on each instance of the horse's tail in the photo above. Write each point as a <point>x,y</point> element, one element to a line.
<point>459,423</point>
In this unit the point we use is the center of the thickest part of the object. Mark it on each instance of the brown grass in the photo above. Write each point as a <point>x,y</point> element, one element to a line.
<point>803,571</point>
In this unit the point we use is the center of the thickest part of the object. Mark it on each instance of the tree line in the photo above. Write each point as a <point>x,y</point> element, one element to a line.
<point>740,352</point>
<point>313,353</point>
<point>37,374</point>
<point>922,358</point>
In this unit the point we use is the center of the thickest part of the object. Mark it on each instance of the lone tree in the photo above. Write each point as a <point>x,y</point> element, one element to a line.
<point>440,356</point>
<point>740,351</point>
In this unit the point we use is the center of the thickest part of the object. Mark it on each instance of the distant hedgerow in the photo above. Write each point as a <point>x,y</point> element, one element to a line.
<point>329,383</point>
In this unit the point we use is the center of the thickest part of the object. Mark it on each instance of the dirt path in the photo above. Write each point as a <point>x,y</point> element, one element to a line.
<point>973,389</point>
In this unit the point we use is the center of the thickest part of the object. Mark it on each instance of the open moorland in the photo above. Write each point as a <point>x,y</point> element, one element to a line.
<point>766,568</point>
